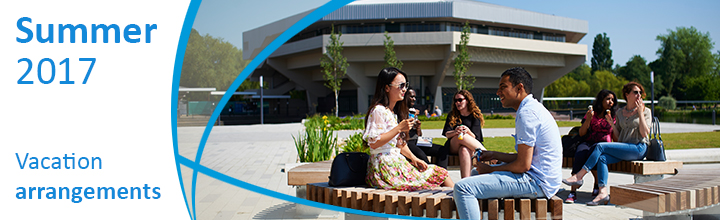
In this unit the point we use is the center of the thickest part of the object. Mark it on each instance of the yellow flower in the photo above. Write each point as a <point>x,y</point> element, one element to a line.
<point>324,129</point>
<point>326,121</point>
<point>324,117</point>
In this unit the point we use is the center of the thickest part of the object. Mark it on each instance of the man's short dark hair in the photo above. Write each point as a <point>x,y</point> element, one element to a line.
<point>519,75</point>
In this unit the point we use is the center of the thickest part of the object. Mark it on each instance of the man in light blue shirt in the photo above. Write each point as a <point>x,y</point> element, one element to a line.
<point>535,170</point>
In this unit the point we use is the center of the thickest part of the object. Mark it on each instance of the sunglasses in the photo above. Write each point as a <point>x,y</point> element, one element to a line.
<point>459,100</point>
<point>636,92</point>
<point>404,85</point>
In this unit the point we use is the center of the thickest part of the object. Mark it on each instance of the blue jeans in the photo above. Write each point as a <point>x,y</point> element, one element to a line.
<point>500,184</point>
<point>612,152</point>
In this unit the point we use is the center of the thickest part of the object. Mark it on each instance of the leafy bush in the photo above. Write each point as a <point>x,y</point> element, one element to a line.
<point>667,102</point>
<point>436,118</point>
<point>496,116</point>
<point>335,123</point>
<point>316,145</point>
<point>355,143</point>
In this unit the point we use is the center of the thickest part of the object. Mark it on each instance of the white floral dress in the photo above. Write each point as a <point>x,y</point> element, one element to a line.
<point>387,168</point>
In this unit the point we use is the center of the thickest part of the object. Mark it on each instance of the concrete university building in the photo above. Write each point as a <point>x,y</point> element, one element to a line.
<point>426,35</point>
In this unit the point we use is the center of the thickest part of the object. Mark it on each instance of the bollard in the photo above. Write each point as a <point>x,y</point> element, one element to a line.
<point>571,115</point>
<point>713,116</point>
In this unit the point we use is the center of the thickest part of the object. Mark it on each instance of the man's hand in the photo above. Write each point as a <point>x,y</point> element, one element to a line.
<point>483,168</point>
<point>487,155</point>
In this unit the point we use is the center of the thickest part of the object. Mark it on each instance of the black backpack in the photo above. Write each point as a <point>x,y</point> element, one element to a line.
<point>571,141</point>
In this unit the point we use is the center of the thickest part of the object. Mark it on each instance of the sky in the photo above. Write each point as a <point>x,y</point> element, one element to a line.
<point>631,25</point>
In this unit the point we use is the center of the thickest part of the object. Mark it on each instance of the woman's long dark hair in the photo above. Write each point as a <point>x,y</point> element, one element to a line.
<point>600,98</point>
<point>384,78</point>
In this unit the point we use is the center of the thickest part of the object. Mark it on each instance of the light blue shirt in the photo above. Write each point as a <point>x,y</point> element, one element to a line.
<point>536,127</point>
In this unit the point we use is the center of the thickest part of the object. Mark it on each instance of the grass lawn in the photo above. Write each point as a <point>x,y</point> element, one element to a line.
<point>671,141</point>
<point>495,123</point>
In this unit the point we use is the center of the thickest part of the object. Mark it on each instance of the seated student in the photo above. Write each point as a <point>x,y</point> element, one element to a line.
<point>437,111</point>
<point>631,130</point>
<point>438,151</point>
<point>534,171</point>
<point>463,129</point>
<point>388,167</point>
<point>596,127</point>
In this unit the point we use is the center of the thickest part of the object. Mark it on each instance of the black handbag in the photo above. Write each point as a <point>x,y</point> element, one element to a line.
<point>349,169</point>
<point>656,150</point>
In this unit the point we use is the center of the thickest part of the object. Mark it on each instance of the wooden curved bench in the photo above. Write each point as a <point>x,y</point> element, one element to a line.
<point>429,203</point>
<point>689,190</point>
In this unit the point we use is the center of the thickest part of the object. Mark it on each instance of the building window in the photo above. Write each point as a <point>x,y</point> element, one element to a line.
<point>511,33</point>
<point>357,29</point>
<point>421,27</point>
<point>554,37</point>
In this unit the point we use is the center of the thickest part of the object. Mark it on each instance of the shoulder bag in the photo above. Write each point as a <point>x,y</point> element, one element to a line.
<point>656,149</point>
<point>349,169</point>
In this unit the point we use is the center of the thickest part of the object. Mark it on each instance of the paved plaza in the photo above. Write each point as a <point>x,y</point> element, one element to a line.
<point>258,154</point>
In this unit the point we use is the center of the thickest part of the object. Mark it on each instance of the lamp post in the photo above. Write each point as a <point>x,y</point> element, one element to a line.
<point>652,94</point>
<point>262,107</point>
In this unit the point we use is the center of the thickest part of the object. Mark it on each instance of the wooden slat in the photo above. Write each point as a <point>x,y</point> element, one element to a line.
<point>403,204</point>
<point>418,202</point>
<point>525,209</point>
<point>432,204</point>
<point>391,203</point>
<point>556,209</point>
<point>638,199</point>
<point>509,209</point>
<point>672,197</point>
<point>356,199</point>
<point>328,199</point>
<point>309,173</point>
<point>310,191</point>
<point>541,209</point>
<point>637,167</point>
<point>493,206</point>
<point>345,198</point>
<point>379,201</point>
<point>447,206</point>
<point>366,200</point>
<point>336,196</point>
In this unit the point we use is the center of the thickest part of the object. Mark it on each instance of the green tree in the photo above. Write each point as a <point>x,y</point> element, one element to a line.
<point>605,80</point>
<point>685,62</point>
<point>334,64</point>
<point>602,54</point>
<point>210,62</point>
<point>636,69</point>
<point>581,73</point>
<point>462,61</point>
<point>566,86</point>
<point>391,59</point>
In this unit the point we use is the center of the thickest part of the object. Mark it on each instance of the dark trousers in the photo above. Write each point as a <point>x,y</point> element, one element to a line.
<point>438,151</point>
<point>584,150</point>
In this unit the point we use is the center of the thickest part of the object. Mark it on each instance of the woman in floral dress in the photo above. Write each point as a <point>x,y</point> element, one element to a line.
<point>389,167</point>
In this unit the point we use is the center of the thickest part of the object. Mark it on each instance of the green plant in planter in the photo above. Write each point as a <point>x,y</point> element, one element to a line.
<point>355,143</point>
<point>317,144</point>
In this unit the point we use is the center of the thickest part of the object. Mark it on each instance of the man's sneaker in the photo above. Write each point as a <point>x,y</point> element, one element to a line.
<point>571,198</point>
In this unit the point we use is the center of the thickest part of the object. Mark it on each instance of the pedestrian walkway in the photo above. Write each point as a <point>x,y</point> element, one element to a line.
<point>257,154</point>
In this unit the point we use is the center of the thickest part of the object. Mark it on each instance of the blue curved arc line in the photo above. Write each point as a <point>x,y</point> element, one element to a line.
<point>245,185</point>
<point>318,13</point>
<point>177,72</point>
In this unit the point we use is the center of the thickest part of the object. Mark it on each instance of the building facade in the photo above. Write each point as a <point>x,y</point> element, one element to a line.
<point>426,36</point>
